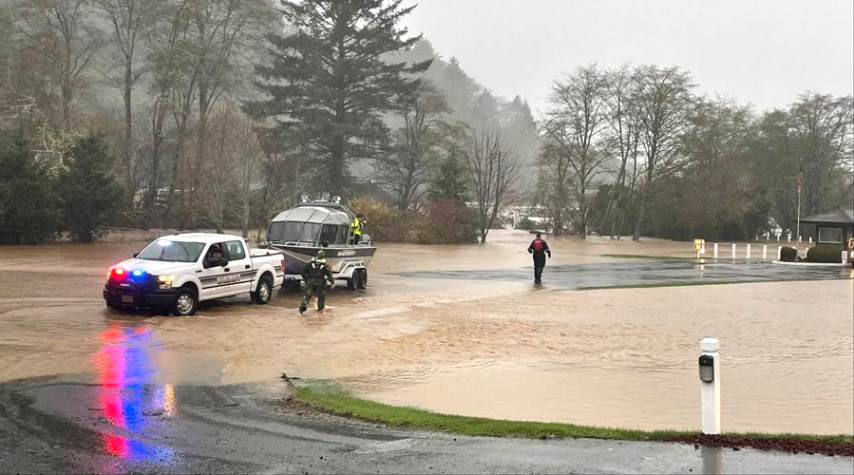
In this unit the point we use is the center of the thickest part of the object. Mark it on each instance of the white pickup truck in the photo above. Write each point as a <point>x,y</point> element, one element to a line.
<point>177,272</point>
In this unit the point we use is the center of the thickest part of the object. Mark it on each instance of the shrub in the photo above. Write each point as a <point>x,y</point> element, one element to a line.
<point>447,222</point>
<point>379,218</point>
<point>28,212</point>
<point>526,224</point>
<point>788,254</point>
<point>824,253</point>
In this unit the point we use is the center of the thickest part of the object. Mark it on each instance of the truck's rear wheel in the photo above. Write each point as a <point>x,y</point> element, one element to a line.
<point>363,279</point>
<point>264,292</point>
<point>185,303</point>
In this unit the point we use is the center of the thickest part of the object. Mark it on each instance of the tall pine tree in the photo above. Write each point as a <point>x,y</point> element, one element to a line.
<point>89,194</point>
<point>328,85</point>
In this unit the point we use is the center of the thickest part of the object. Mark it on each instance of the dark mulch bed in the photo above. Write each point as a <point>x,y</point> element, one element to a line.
<point>780,444</point>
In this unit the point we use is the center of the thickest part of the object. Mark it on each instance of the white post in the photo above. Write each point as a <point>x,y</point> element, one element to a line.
<point>733,251</point>
<point>800,238</point>
<point>779,252</point>
<point>716,251</point>
<point>748,251</point>
<point>778,237</point>
<point>810,239</point>
<point>710,380</point>
<point>764,252</point>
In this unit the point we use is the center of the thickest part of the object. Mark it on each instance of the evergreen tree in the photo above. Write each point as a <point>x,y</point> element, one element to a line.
<point>27,201</point>
<point>329,85</point>
<point>90,196</point>
<point>450,183</point>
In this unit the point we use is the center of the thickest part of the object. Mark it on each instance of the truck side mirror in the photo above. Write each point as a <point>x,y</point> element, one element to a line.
<point>135,254</point>
<point>707,368</point>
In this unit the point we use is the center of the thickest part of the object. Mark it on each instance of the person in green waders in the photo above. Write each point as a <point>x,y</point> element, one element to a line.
<point>315,274</point>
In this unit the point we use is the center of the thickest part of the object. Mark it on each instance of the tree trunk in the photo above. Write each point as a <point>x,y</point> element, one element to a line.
<point>126,154</point>
<point>641,216</point>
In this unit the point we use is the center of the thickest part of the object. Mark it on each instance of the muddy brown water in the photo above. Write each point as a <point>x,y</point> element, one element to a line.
<point>482,347</point>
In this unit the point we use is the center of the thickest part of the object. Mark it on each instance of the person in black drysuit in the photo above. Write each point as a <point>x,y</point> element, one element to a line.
<point>539,248</point>
<point>315,275</point>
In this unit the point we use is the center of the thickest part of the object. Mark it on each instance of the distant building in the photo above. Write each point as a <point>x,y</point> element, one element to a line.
<point>833,228</point>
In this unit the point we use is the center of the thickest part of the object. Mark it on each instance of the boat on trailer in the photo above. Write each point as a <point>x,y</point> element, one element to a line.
<point>310,226</point>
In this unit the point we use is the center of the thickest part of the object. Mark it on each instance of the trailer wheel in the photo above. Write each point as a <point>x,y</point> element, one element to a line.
<point>353,281</point>
<point>363,279</point>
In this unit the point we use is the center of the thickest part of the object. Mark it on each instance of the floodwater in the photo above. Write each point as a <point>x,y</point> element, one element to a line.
<point>460,329</point>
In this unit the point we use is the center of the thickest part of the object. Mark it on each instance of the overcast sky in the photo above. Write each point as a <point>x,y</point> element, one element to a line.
<point>762,52</point>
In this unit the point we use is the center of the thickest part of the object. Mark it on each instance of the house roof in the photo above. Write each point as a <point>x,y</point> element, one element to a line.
<point>840,216</point>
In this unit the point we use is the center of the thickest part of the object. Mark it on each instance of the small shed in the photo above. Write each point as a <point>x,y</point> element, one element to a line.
<point>833,228</point>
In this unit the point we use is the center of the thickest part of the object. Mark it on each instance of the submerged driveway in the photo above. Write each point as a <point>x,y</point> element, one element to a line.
<point>651,273</point>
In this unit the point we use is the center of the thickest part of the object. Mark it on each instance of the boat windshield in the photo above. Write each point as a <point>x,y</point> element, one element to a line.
<point>310,232</point>
<point>284,231</point>
<point>172,251</point>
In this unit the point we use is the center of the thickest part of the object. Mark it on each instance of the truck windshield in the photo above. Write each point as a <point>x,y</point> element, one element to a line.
<point>173,251</point>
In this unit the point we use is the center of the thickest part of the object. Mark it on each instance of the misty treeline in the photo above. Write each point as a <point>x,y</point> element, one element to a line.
<point>636,150</point>
<point>220,113</point>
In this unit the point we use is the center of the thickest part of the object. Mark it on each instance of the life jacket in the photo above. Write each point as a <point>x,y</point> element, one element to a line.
<point>356,226</point>
<point>538,245</point>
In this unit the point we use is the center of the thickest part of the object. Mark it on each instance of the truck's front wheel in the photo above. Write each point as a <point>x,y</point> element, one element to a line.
<point>185,303</point>
<point>264,292</point>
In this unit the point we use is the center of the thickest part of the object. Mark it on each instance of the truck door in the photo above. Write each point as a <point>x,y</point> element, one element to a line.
<point>239,268</point>
<point>212,277</point>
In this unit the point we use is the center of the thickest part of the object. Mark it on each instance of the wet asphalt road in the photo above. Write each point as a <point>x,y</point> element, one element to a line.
<point>659,272</point>
<point>54,426</point>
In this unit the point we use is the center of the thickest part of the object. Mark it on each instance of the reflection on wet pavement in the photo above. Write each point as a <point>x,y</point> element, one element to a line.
<point>464,340</point>
<point>126,396</point>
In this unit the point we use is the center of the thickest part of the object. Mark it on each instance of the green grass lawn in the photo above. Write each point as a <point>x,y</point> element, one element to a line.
<point>333,400</point>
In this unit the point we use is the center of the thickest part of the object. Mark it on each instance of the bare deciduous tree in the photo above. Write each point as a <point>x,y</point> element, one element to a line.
<point>494,169</point>
<point>821,126</point>
<point>65,40</point>
<point>573,142</point>
<point>406,170</point>
<point>662,103</point>
<point>130,21</point>
<point>623,142</point>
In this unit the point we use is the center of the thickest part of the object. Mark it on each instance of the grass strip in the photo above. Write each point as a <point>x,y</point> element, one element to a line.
<point>667,284</point>
<point>332,399</point>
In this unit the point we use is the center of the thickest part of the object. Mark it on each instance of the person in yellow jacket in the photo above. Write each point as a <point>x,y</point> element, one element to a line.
<point>356,228</point>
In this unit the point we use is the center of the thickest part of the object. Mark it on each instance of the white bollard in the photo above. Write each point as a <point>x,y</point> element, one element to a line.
<point>710,381</point>
<point>779,252</point>
<point>810,239</point>
<point>733,251</point>
<point>800,238</point>
<point>716,251</point>
<point>778,238</point>
<point>747,254</point>
<point>765,252</point>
